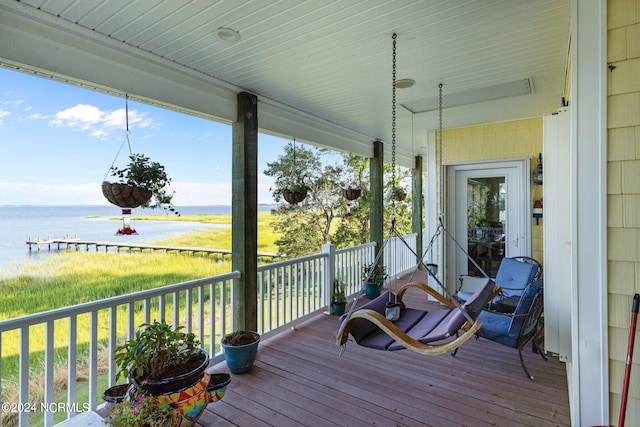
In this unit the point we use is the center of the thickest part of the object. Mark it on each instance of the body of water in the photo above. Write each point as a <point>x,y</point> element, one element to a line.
<point>19,223</point>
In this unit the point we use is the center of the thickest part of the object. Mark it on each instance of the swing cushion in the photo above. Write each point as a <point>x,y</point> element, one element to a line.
<point>438,325</point>
<point>379,340</point>
<point>420,325</point>
<point>360,328</point>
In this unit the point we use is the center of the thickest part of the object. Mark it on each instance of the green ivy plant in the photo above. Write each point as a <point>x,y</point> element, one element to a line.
<point>142,172</point>
<point>157,348</point>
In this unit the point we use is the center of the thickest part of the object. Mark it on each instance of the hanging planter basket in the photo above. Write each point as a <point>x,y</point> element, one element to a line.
<point>351,193</point>
<point>124,195</point>
<point>398,194</point>
<point>294,197</point>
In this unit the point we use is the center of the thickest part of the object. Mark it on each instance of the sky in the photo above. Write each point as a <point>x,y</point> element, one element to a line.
<point>58,141</point>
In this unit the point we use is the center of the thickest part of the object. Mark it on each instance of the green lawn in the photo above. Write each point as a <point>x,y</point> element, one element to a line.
<point>73,277</point>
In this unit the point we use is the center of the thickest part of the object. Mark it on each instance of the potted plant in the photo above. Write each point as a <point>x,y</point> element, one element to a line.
<point>350,193</point>
<point>397,193</point>
<point>142,411</point>
<point>165,364</point>
<point>140,183</point>
<point>295,192</point>
<point>339,299</point>
<point>375,275</point>
<point>240,348</point>
<point>157,351</point>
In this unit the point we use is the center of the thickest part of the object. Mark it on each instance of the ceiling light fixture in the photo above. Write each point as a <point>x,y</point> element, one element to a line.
<point>405,83</point>
<point>489,93</point>
<point>228,35</point>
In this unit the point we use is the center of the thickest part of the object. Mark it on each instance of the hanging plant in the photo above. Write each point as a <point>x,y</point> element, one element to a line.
<point>351,193</point>
<point>140,183</point>
<point>295,193</point>
<point>398,194</point>
<point>292,187</point>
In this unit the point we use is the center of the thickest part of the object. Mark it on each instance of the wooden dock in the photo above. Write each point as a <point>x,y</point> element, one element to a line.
<point>74,243</point>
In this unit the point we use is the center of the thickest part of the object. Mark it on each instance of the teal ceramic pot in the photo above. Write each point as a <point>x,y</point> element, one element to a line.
<point>240,358</point>
<point>372,290</point>
<point>338,309</point>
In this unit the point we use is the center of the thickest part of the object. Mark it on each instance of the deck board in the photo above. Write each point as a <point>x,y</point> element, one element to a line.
<point>299,379</point>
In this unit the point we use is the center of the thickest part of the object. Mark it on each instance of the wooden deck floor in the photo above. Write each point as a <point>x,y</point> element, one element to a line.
<point>300,380</point>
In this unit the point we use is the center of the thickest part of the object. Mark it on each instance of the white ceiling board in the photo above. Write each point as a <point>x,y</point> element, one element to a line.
<point>328,60</point>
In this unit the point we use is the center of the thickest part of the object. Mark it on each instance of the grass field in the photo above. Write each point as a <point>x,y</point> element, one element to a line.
<point>73,277</point>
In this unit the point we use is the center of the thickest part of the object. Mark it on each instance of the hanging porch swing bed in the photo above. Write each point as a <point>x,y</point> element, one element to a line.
<point>426,332</point>
<point>385,323</point>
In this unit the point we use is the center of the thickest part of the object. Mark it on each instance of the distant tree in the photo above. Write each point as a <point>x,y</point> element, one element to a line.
<point>325,216</point>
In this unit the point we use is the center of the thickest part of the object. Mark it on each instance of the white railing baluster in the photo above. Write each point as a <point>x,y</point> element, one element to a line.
<point>272,280</point>
<point>113,335</point>
<point>200,314</point>
<point>175,319</point>
<point>223,313</point>
<point>72,358</point>
<point>48,370</point>
<point>131,319</point>
<point>260,285</point>
<point>188,313</point>
<point>93,359</point>
<point>212,316</point>
<point>23,420</point>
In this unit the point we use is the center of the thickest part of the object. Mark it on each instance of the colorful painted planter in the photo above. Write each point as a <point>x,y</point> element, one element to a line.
<point>192,401</point>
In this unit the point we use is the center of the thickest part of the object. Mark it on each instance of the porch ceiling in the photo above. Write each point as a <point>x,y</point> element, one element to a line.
<point>321,69</point>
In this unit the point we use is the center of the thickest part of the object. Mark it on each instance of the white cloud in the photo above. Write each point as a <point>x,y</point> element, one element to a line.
<point>3,113</point>
<point>82,115</point>
<point>97,122</point>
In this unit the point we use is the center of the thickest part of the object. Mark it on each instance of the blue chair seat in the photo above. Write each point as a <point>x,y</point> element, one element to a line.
<point>517,328</point>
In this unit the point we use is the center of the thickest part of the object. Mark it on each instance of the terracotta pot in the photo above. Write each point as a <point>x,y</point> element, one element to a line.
<point>125,196</point>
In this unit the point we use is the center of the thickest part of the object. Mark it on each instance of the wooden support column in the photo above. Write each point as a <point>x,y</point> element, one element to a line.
<point>417,223</point>
<point>245,213</point>
<point>376,214</point>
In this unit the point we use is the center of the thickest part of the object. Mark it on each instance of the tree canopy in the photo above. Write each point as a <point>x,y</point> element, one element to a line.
<point>325,216</point>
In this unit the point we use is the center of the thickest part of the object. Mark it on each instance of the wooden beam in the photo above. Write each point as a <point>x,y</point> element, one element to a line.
<point>245,213</point>
<point>376,214</point>
<point>417,223</point>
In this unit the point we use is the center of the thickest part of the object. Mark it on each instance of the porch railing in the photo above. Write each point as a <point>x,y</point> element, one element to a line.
<point>288,293</point>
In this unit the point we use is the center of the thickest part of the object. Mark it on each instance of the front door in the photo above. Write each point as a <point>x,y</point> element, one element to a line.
<point>489,215</point>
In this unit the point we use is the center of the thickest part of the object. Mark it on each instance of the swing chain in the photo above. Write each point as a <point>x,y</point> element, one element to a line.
<point>440,153</point>
<point>393,135</point>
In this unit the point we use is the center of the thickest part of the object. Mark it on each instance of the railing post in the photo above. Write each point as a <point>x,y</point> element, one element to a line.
<point>329,272</point>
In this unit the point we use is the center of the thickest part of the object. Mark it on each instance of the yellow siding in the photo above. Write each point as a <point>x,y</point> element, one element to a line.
<point>519,138</point>
<point>623,187</point>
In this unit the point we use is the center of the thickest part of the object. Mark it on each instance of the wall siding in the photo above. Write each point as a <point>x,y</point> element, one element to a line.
<point>518,138</point>
<point>623,188</point>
